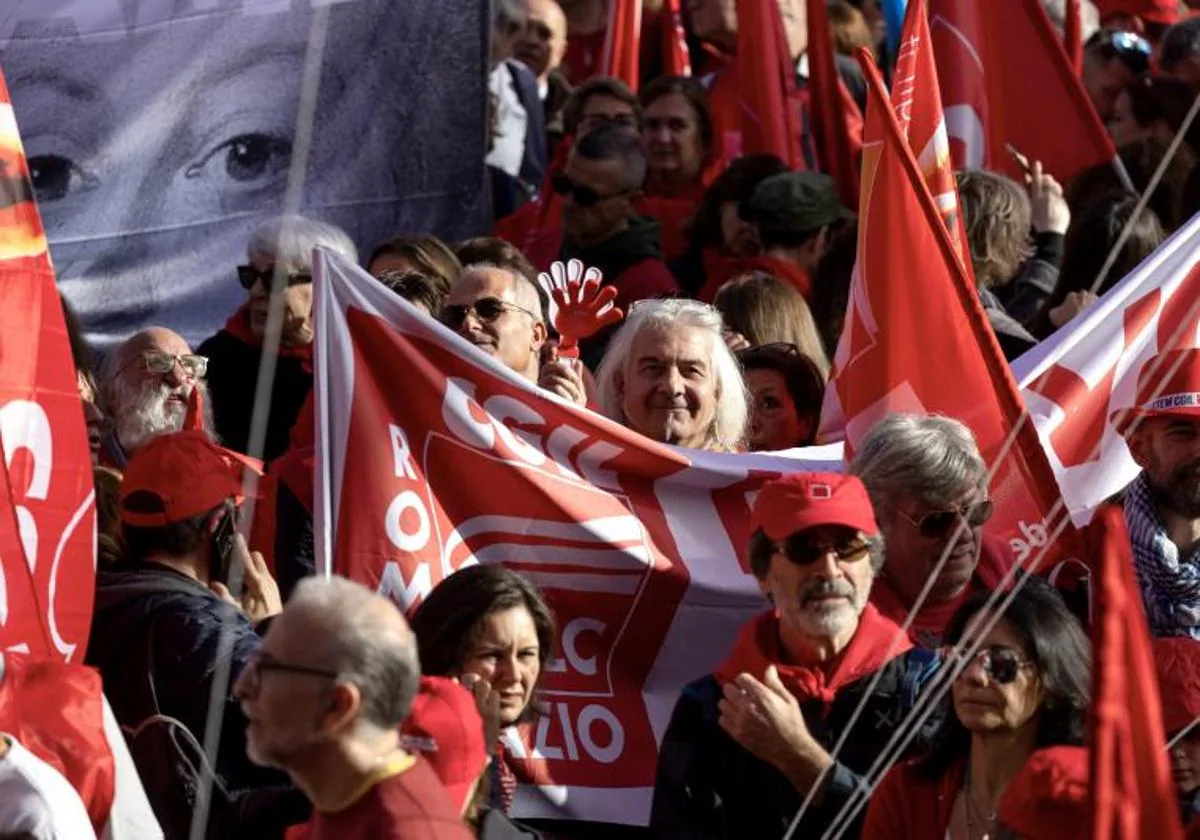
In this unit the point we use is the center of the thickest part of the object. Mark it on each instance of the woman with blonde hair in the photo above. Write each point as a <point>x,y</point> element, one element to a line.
<point>760,309</point>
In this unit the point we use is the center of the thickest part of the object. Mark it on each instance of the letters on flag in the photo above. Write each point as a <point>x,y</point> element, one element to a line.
<point>47,504</point>
<point>432,456</point>
<point>907,277</point>
<point>1076,379</point>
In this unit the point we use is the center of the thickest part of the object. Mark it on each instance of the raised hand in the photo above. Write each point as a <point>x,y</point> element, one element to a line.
<point>583,306</point>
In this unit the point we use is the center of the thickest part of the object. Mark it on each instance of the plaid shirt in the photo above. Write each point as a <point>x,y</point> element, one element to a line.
<point>1170,584</point>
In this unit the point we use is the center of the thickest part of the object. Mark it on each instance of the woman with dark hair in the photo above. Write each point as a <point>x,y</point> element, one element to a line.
<point>489,628</point>
<point>1151,106</point>
<point>677,131</point>
<point>717,236</point>
<point>1089,241</point>
<point>1140,158</point>
<point>786,392</point>
<point>1027,687</point>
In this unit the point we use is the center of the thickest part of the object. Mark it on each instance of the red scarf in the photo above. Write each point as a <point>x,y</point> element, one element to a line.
<point>238,326</point>
<point>874,644</point>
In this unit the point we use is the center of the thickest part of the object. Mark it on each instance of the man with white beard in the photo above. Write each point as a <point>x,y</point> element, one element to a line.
<point>145,386</point>
<point>748,742</point>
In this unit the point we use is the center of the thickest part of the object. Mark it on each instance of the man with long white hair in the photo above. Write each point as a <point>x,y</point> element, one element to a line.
<point>668,375</point>
<point>145,386</point>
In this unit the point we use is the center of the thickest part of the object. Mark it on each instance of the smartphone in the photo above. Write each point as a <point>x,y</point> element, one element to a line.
<point>223,545</point>
<point>1022,160</point>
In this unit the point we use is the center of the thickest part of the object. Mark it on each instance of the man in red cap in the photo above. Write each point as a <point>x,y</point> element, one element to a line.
<point>165,621</point>
<point>747,743</point>
<point>1162,505</point>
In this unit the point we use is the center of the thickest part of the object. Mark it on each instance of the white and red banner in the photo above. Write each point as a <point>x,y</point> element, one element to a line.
<point>1076,379</point>
<point>47,502</point>
<point>432,456</point>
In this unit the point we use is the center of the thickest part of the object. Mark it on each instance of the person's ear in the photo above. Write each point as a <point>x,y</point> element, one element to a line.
<point>1139,445</point>
<point>539,334</point>
<point>345,704</point>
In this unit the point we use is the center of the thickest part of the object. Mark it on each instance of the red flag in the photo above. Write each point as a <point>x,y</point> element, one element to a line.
<point>836,122</point>
<point>623,42</point>
<point>677,61</point>
<point>47,504</point>
<point>1132,793</point>
<point>1073,35</point>
<point>908,277</point>
<point>1013,86</point>
<point>917,100</point>
<point>766,77</point>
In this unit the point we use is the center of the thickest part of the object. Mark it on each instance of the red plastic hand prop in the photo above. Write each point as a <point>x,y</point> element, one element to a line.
<point>584,306</point>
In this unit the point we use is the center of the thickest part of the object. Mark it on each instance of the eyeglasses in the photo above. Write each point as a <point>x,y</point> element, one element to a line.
<point>581,195</point>
<point>261,663</point>
<point>596,120</point>
<point>248,275</point>
<point>486,309</point>
<point>802,551</point>
<point>1002,664</point>
<point>938,524</point>
<point>163,363</point>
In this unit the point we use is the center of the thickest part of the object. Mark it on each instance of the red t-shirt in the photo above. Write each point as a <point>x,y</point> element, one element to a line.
<point>403,801</point>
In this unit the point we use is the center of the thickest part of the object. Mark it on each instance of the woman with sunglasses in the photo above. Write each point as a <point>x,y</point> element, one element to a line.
<point>278,276</point>
<point>1021,683</point>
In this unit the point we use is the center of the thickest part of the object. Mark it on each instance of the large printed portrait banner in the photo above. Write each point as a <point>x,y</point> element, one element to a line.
<point>432,456</point>
<point>160,132</point>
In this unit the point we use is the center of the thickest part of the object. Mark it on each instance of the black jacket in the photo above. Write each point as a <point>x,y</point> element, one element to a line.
<point>708,786</point>
<point>232,379</point>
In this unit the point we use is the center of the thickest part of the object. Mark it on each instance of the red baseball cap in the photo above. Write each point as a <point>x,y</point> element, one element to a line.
<point>1153,11</point>
<point>445,727</point>
<point>187,472</point>
<point>1168,385</point>
<point>806,500</point>
<point>1177,663</point>
<point>1048,798</point>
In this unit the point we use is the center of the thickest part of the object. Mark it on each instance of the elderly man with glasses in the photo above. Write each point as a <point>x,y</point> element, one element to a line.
<point>748,743</point>
<point>145,385</point>
<point>929,485</point>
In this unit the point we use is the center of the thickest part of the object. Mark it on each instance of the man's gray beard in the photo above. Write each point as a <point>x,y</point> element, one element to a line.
<point>146,412</point>
<point>1181,492</point>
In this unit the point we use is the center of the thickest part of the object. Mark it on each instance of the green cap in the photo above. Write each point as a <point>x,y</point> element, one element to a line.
<point>795,202</point>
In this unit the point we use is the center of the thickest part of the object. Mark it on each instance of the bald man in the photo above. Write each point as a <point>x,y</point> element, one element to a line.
<point>145,384</point>
<point>541,45</point>
<point>325,697</point>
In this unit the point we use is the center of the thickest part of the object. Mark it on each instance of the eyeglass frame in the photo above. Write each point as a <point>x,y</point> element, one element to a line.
<point>256,666</point>
<point>249,272</point>
<point>960,513</point>
<point>470,308</point>
<point>984,657</point>
<point>856,549</point>
<point>559,179</point>
<point>176,359</point>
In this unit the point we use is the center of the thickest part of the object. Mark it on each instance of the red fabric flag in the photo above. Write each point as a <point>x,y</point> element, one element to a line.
<point>677,61</point>
<point>47,504</point>
<point>1073,35</point>
<point>837,125</point>
<point>766,83</point>
<point>906,278</point>
<point>917,100</point>
<point>1132,793</point>
<point>623,44</point>
<point>1013,86</point>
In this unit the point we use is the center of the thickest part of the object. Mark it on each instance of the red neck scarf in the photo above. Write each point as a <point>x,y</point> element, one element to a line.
<point>874,644</point>
<point>238,326</point>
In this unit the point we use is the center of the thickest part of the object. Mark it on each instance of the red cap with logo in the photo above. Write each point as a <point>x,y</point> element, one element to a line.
<point>1168,384</point>
<point>1048,798</point>
<point>188,473</point>
<point>445,727</point>
<point>807,500</point>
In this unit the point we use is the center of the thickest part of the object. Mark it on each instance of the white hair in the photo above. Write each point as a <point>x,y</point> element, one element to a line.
<point>140,410</point>
<point>932,457</point>
<point>733,410</point>
<point>288,242</point>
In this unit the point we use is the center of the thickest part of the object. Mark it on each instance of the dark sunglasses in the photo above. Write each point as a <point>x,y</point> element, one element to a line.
<point>248,275</point>
<point>773,350</point>
<point>804,552</point>
<point>486,309</point>
<point>581,195</point>
<point>1002,664</point>
<point>938,524</point>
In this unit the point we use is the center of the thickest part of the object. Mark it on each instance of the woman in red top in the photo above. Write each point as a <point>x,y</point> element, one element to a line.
<point>1026,688</point>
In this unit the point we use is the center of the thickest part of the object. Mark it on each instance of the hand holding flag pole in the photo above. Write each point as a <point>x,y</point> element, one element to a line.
<point>581,305</point>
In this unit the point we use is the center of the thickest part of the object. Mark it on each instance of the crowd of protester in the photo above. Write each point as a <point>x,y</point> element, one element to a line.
<point>341,717</point>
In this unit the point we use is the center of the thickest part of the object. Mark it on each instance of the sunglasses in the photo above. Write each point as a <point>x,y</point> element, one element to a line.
<point>1132,48</point>
<point>773,350</point>
<point>804,552</point>
<point>486,309</point>
<point>581,195</point>
<point>938,524</point>
<point>1002,664</point>
<point>248,275</point>
<point>164,363</point>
